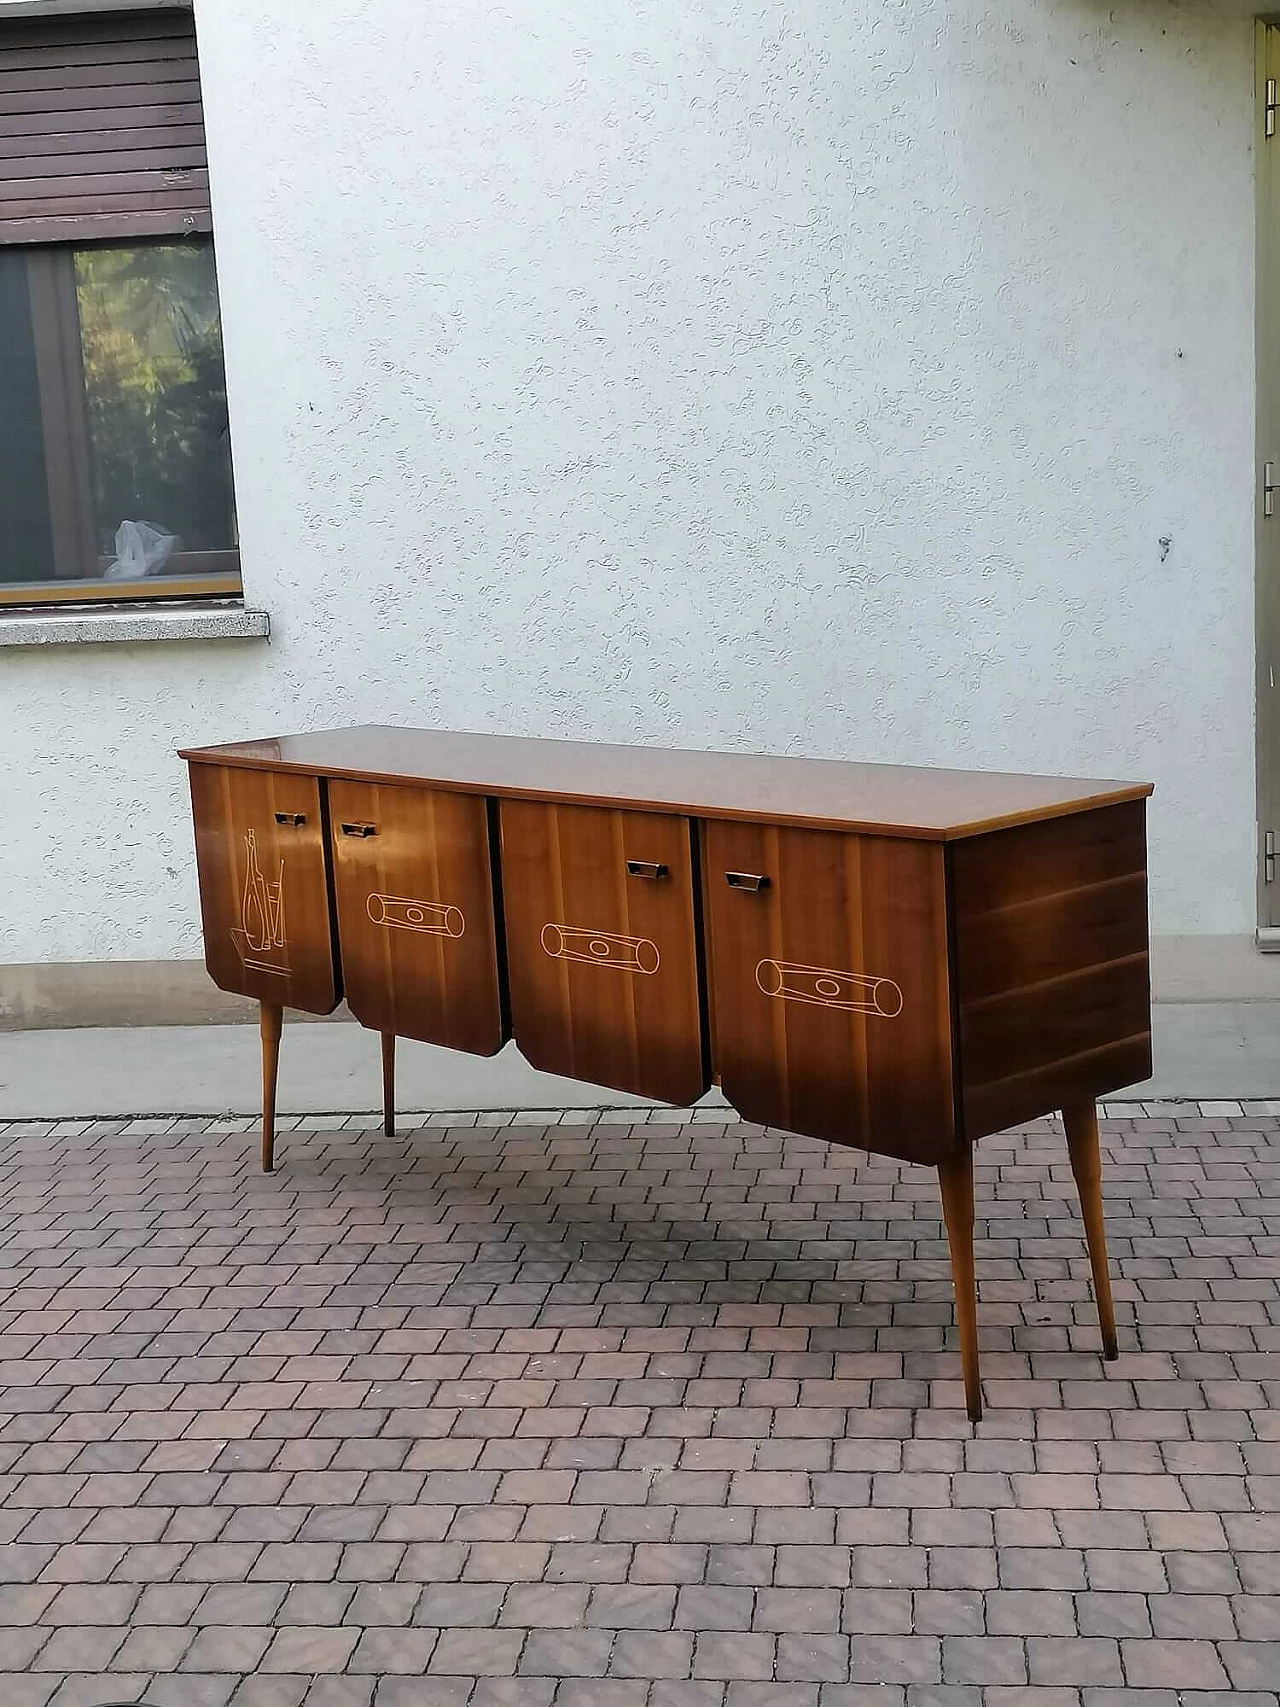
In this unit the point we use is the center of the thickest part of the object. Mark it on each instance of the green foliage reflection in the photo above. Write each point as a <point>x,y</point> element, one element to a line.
<point>156,395</point>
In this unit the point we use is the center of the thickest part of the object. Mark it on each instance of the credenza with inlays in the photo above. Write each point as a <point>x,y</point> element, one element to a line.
<point>897,959</point>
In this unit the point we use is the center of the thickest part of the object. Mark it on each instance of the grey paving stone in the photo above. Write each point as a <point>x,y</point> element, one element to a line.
<point>544,1409</point>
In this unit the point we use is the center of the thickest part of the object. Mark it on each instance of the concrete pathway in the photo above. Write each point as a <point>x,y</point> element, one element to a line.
<point>1218,1050</point>
<point>216,1069</point>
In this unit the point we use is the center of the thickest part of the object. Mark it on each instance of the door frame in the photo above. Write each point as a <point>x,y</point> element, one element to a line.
<point>1267,450</point>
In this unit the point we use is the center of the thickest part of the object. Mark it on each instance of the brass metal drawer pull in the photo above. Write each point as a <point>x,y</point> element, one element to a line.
<point>359,829</point>
<point>746,880</point>
<point>646,868</point>
<point>294,818</point>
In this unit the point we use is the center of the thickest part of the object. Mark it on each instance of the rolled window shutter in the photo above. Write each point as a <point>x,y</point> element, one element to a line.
<point>101,128</point>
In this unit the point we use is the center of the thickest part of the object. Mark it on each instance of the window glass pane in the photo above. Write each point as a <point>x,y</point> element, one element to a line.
<point>156,403</point>
<point>115,461</point>
<point>26,546</point>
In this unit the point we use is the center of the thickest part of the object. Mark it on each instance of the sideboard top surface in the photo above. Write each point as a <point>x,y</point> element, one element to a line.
<point>890,800</point>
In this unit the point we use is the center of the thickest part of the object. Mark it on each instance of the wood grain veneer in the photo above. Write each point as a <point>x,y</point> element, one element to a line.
<point>264,888</point>
<point>413,883</point>
<point>605,981</point>
<point>888,800</point>
<point>831,986</point>
<point>897,959</point>
<point>1053,988</point>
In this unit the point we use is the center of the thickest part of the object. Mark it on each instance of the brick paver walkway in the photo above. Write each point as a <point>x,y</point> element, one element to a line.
<point>613,1416</point>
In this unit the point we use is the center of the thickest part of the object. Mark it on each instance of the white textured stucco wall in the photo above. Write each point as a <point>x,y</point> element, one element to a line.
<point>818,379</point>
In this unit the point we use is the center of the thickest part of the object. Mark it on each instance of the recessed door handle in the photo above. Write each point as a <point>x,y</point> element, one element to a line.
<point>746,880</point>
<point>646,868</point>
<point>359,829</point>
<point>294,818</point>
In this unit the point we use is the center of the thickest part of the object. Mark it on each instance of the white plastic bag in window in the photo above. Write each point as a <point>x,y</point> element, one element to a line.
<point>142,548</point>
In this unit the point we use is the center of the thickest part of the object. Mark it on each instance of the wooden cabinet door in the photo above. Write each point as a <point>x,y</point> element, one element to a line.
<point>828,967</point>
<point>602,947</point>
<point>264,889</point>
<point>413,880</point>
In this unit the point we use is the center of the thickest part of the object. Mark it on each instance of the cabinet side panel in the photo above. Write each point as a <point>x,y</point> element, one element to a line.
<point>1052,972</point>
<point>264,886</point>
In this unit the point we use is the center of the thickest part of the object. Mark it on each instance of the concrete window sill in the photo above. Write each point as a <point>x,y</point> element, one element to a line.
<point>95,624</point>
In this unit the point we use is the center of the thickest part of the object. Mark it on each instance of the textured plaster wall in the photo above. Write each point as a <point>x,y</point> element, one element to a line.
<point>849,378</point>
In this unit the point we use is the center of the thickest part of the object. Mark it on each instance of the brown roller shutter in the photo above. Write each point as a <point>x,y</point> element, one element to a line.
<point>101,128</point>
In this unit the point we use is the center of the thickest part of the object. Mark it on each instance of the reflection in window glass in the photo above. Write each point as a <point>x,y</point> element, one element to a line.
<point>156,405</point>
<point>115,461</point>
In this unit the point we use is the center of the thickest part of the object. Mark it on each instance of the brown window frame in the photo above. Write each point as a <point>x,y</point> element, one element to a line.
<point>50,246</point>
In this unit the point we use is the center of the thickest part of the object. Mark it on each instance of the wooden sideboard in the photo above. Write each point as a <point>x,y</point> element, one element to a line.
<point>901,960</point>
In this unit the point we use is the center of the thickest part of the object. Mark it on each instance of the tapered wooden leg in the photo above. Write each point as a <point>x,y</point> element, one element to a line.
<point>955,1178</point>
<point>1081,1122</point>
<point>271,1020</point>
<point>389,1083</point>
